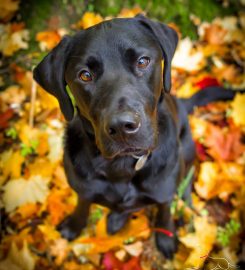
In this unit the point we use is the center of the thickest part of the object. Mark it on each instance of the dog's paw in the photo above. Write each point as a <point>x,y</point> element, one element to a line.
<point>167,245</point>
<point>70,228</point>
<point>115,222</point>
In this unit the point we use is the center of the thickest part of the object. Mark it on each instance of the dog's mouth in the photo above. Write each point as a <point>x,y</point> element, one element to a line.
<point>134,152</point>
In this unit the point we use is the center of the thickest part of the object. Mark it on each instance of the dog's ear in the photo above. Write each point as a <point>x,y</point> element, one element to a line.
<point>168,39</point>
<point>49,73</point>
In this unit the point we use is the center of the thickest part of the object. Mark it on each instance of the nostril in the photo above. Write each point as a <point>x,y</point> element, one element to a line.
<point>131,127</point>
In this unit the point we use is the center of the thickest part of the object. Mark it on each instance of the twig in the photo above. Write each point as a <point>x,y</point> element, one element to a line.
<point>33,101</point>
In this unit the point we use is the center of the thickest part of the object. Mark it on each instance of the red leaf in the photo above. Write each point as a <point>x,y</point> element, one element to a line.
<point>110,262</point>
<point>201,152</point>
<point>132,264</point>
<point>206,82</point>
<point>5,117</point>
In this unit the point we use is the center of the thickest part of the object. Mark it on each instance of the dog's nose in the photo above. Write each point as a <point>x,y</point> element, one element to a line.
<point>124,123</point>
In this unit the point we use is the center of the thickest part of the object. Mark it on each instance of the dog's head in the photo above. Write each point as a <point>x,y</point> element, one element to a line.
<point>114,71</point>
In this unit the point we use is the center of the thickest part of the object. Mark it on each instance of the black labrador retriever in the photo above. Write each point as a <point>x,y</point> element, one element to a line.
<point>129,144</point>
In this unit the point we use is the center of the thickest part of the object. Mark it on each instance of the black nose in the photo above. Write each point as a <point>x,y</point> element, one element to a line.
<point>123,124</point>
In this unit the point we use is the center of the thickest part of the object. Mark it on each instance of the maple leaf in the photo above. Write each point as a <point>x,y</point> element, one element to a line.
<point>200,242</point>
<point>224,144</point>
<point>18,259</point>
<point>18,192</point>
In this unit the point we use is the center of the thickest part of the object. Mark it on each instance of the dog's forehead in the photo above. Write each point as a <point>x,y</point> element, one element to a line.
<point>113,34</point>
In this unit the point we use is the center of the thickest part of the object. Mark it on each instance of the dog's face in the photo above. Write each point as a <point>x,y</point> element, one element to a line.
<point>114,71</point>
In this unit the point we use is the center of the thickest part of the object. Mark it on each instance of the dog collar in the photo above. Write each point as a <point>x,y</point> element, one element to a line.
<point>141,160</point>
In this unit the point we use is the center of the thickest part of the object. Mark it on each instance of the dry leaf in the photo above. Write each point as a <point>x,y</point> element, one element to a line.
<point>187,58</point>
<point>137,227</point>
<point>200,242</point>
<point>18,259</point>
<point>48,39</point>
<point>8,9</point>
<point>219,179</point>
<point>238,106</point>
<point>10,165</point>
<point>89,19</point>
<point>18,192</point>
<point>11,42</point>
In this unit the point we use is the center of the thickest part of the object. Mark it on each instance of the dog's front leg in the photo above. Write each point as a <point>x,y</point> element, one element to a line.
<point>115,221</point>
<point>71,227</point>
<point>166,244</point>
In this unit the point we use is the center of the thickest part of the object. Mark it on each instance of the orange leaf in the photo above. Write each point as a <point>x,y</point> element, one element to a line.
<point>57,205</point>
<point>224,144</point>
<point>137,227</point>
<point>48,39</point>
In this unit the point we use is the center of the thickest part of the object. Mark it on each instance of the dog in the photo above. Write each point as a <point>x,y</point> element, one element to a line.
<point>129,143</point>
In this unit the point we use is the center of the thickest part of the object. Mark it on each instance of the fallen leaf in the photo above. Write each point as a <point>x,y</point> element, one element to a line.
<point>136,227</point>
<point>224,144</point>
<point>219,179</point>
<point>10,165</point>
<point>110,262</point>
<point>18,192</point>
<point>200,242</point>
<point>48,39</point>
<point>11,42</point>
<point>187,58</point>
<point>18,259</point>
<point>129,13</point>
<point>215,34</point>
<point>8,9</point>
<point>238,112</point>
<point>89,19</point>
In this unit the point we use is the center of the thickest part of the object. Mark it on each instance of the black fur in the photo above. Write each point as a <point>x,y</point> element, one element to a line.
<point>123,112</point>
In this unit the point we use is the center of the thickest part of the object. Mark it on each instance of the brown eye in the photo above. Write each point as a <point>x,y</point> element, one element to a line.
<point>85,76</point>
<point>143,62</point>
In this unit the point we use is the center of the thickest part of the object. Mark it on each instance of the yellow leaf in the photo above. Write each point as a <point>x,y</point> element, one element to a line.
<point>10,165</point>
<point>129,13</point>
<point>186,90</point>
<point>18,259</point>
<point>219,179</point>
<point>20,191</point>
<point>49,232</point>
<point>8,9</point>
<point>42,167</point>
<point>198,127</point>
<point>48,39</point>
<point>200,242</point>
<point>89,19</point>
<point>238,106</point>
<point>10,42</point>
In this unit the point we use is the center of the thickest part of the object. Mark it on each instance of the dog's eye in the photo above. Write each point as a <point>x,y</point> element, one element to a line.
<point>143,62</point>
<point>85,76</point>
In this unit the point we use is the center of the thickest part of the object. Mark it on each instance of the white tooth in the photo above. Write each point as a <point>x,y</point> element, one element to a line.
<point>140,162</point>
